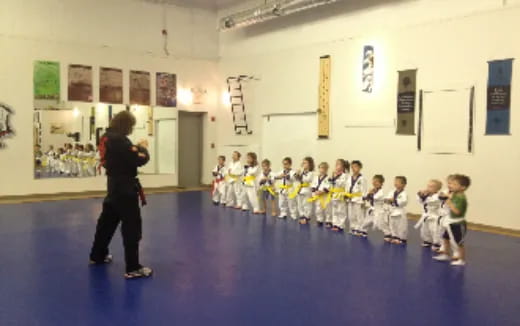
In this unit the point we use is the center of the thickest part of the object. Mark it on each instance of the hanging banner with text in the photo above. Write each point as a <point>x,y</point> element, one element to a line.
<point>499,97</point>
<point>406,94</point>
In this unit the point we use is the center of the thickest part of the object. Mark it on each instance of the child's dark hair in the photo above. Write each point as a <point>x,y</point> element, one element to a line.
<point>310,160</point>
<point>238,154</point>
<point>253,156</point>
<point>288,160</point>
<point>463,180</point>
<point>222,157</point>
<point>358,163</point>
<point>379,177</point>
<point>345,164</point>
<point>402,179</point>
<point>266,162</point>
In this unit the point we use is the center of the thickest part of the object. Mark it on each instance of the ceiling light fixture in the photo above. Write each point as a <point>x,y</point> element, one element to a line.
<point>268,11</point>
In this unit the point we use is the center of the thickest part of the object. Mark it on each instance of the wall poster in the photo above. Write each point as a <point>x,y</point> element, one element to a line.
<point>499,97</point>
<point>111,85</point>
<point>80,83</point>
<point>139,87</point>
<point>46,80</point>
<point>6,130</point>
<point>166,90</point>
<point>368,68</point>
<point>406,95</point>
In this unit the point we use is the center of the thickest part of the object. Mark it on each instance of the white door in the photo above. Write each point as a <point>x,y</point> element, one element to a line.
<point>165,151</point>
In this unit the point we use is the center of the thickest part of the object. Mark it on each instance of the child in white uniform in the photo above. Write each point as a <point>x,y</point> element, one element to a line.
<point>303,192</point>
<point>397,213</point>
<point>286,180</point>
<point>375,212</point>
<point>219,184</point>
<point>337,194</point>
<point>429,200</point>
<point>444,211</point>
<point>356,189</point>
<point>235,171</point>
<point>267,189</point>
<point>320,188</point>
<point>250,182</point>
<point>90,160</point>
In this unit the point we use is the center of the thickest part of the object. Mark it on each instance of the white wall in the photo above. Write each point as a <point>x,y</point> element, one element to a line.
<point>112,33</point>
<point>449,42</point>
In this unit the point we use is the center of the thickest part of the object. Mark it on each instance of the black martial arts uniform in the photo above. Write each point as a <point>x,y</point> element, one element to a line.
<point>120,159</point>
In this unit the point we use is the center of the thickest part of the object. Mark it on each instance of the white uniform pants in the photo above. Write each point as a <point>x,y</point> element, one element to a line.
<point>339,213</point>
<point>234,194</point>
<point>429,230</point>
<point>304,207</point>
<point>219,193</point>
<point>322,214</point>
<point>399,226</point>
<point>356,216</point>
<point>288,207</point>
<point>250,198</point>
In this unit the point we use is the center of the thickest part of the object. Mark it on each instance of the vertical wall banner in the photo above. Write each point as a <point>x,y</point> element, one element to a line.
<point>80,83</point>
<point>92,123</point>
<point>139,87</point>
<point>406,94</point>
<point>166,90</point>
<point>6,130</point>
<point>368,68</point>
<point>499,97</point>
<point>46,80</point>
<point>149,121</point>
<point>111,85</point>
<point>324,97</point>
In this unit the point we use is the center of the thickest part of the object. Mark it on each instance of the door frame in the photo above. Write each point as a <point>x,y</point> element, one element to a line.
<point>203,115</point>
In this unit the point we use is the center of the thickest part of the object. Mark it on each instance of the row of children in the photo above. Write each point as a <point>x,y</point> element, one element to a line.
<point>71,160</point>
<point>344,196</point>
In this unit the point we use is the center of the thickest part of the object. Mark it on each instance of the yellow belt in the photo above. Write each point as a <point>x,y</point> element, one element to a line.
<point>248,179</point>
<point>297,190</point>
<point>353,195</point>
<point>322,198</point>
<point>270,189</point>
<point>285,187</point>
<point>232,176</point>
<point>335,191</point>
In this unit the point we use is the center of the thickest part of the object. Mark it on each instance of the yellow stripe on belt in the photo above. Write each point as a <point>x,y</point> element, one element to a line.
<point>298,188</point>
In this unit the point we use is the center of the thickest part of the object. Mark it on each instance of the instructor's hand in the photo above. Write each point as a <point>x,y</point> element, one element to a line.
<point>143,143</point>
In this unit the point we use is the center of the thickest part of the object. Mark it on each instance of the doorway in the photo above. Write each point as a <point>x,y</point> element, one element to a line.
<point>190,149</point>
<point>166,135</point>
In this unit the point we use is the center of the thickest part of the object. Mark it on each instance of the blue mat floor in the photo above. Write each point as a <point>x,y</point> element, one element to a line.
<point>217,266</point>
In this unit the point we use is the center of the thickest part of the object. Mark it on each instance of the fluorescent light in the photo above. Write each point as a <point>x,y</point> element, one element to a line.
<point>269,11</point>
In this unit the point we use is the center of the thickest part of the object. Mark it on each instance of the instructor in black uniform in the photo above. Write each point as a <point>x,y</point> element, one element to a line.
<point>121,158</point>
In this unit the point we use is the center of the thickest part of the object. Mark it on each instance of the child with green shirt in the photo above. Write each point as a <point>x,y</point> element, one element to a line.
<point>455,224</point>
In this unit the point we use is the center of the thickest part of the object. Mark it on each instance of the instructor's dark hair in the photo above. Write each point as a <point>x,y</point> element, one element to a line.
<point>123,123</point>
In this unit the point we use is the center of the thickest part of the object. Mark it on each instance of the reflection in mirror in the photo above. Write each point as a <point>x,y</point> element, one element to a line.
<point>66,139</point>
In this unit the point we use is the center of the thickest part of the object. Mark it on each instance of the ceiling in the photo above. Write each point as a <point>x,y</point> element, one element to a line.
<point>208,4</point>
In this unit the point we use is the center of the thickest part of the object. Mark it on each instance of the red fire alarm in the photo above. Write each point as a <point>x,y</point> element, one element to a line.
<point>213,119</point>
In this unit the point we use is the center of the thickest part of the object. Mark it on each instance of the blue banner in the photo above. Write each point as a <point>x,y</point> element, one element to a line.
<point>499,97</point>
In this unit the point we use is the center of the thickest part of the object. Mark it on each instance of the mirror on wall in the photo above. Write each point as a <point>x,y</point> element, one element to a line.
<point>66,139</point>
